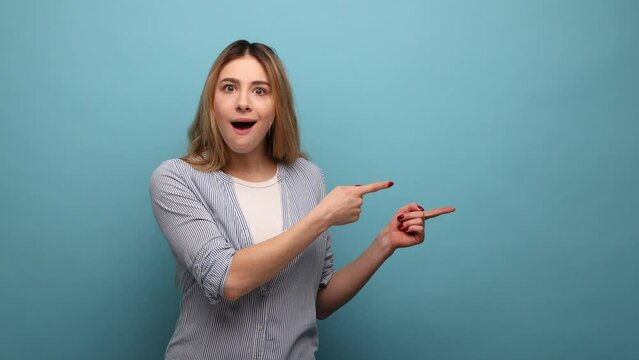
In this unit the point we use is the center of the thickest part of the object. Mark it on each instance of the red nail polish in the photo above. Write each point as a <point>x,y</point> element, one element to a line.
<point>390,183</point>
<point>400,217</point>
<point>420,208</point>
<point>399,227</point>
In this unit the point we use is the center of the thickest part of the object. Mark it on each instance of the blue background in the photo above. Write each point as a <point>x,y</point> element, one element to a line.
<point>522,114</point>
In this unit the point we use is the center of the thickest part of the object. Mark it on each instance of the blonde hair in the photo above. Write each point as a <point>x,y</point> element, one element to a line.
<point>207,150</point>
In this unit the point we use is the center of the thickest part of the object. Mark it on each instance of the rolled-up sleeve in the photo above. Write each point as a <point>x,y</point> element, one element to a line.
<point>191,231</point>
<point>327,270</point>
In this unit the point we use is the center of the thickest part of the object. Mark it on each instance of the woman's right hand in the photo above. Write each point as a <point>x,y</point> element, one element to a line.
<point>344,203</point>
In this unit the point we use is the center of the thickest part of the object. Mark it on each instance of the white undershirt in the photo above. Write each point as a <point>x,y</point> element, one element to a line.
<point>261,204</point>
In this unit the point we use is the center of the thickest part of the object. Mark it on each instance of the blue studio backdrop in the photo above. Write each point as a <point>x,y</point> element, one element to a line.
<point>521,114</point>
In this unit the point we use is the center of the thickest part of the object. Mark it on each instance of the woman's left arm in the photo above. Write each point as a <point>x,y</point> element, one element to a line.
<point>406,228</point>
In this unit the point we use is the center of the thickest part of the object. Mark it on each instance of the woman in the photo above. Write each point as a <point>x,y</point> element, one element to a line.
<point>247,218</point>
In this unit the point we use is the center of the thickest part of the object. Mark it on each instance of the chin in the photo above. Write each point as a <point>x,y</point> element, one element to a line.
<point>238,149</point>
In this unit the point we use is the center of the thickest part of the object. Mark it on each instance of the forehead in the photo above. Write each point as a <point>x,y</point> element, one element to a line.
<point>244,69</point>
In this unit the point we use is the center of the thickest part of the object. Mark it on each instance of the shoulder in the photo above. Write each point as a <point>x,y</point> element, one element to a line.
<point>304,175</point>
<point>167,168</point>
<point>172,172</point>
<point>305,168</point>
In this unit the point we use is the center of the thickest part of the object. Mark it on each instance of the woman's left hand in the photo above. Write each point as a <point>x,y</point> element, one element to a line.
<point>407,227</point>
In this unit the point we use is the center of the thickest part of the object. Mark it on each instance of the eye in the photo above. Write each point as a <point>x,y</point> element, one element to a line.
<point>228,87</point>
<point>261,91</point>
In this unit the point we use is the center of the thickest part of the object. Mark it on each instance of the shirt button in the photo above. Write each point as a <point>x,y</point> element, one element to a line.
<point>260,327</point>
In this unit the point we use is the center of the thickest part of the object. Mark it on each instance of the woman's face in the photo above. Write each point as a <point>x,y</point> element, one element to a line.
<point>243,105</point>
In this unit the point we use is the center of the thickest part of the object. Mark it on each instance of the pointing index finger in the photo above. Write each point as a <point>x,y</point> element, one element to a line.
<point>436,212</point>
<point>373,187</point>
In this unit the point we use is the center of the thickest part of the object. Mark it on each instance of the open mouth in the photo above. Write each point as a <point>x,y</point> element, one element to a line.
<point>243,125</point>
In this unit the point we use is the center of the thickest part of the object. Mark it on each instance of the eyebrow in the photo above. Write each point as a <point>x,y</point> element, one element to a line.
<point>236,81</point>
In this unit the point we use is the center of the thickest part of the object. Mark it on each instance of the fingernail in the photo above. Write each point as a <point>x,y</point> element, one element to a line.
<point>390,183</point>
<point>420,208</point>
<point>400,217</point>
<point>404,228</point>
<point>399,227</point>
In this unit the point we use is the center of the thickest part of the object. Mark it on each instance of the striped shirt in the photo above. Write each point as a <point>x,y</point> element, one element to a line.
<point>199,214</point>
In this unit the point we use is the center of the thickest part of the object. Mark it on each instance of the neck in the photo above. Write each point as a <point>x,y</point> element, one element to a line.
<point>253,167</point>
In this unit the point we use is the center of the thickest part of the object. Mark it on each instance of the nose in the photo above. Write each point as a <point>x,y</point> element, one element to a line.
<point>243,103</point>
<point>243,107</point>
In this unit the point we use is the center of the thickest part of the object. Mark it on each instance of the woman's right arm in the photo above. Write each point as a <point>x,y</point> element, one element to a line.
<point>221,270</point>
<point>255,265</point>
